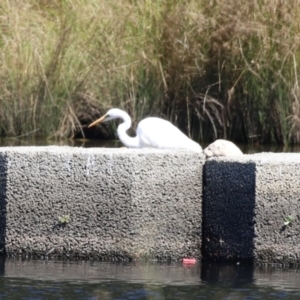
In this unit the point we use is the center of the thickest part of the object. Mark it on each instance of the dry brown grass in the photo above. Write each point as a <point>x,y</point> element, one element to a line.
<point>217,68</point>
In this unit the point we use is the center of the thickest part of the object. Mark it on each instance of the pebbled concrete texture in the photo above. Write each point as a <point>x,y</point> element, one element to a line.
<point>247,201</point>
<point>121,203</point>
<point>126,204</point>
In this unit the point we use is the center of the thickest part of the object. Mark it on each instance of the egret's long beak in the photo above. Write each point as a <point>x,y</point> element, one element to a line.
<point>97,121</point>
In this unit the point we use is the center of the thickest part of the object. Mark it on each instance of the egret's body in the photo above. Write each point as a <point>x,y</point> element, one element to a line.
<point>150,133</point>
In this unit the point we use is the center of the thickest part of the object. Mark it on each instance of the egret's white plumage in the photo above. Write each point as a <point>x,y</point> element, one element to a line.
<point>150,133</point>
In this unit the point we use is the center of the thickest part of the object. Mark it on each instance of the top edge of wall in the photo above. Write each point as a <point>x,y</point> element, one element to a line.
<point>263,157</point>
<point>99,150</point>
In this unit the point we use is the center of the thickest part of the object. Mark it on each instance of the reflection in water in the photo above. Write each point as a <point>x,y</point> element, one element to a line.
<point>36,279</point>
<point>213,273</point>
<point>95,271</point>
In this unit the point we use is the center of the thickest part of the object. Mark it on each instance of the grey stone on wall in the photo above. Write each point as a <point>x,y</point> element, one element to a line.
<point>116,203</point>
<point>251,208</point>
<point>222,148</point>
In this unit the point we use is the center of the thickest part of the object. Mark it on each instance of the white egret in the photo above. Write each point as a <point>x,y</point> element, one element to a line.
<point>150,133</point>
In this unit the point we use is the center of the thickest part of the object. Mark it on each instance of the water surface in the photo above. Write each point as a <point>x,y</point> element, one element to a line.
<point>41,279</point>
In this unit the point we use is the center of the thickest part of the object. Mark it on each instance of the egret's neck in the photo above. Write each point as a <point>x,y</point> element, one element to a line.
<point>128,141</point>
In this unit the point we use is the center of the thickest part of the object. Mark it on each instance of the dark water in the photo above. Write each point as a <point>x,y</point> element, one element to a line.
<point>247,149</point>
<point>14,142</point>
<point>37,279</point>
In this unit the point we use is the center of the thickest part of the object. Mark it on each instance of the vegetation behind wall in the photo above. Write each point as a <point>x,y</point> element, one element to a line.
<point>216,69</point>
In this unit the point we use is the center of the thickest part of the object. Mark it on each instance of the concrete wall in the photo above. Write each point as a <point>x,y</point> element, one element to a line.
<point>246,203</point>
<point>134,204</point>
<point>122,203</point>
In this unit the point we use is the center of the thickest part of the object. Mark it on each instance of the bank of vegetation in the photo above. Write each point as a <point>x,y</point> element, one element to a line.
<point>217,69</point>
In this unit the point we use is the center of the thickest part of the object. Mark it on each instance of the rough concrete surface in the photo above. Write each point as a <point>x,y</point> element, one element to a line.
<point>251,208</point>
<point>116,203</point>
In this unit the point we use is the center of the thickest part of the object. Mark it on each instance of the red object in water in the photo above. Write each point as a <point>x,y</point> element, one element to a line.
<point>189,261</point>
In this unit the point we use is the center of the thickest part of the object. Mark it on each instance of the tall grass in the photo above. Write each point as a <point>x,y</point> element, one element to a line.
<point>216,69</point>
